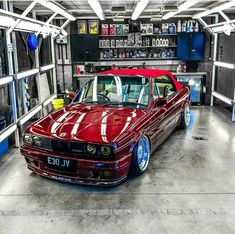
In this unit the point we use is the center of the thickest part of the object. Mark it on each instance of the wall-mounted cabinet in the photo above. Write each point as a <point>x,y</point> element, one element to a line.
<point>85,48</point>
<point>190,46</point>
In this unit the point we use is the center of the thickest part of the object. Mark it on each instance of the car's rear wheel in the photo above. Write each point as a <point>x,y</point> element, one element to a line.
<point>185,118</point>
<point>140,156</point>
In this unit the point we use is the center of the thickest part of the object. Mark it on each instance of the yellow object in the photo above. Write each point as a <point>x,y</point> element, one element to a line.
<point>58,104</point>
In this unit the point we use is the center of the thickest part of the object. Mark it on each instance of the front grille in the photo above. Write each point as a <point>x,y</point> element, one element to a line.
<point>67,147</point>
<point>74,148</point>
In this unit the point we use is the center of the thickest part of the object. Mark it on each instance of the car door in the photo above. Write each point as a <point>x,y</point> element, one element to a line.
<point>163,112</point>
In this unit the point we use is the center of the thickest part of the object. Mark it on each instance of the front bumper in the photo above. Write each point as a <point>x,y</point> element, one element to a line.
<point>87,172</point>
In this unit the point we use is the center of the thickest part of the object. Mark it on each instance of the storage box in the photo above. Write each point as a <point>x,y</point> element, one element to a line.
<point>105,29</point>
<point>125,29</point>
<point>112,29</point>
<point>149,29</point>
<point>3,147</point>
<point>143,28</point>
<point>119,29</point>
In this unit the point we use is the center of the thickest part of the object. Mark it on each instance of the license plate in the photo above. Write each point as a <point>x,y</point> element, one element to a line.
<point>61,164</point>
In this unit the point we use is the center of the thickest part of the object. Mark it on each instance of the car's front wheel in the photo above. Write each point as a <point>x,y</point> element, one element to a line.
<point>140,156</point>
<point>185,118</point>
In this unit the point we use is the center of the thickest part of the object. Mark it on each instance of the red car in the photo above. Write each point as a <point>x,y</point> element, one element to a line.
<point>110,129</point>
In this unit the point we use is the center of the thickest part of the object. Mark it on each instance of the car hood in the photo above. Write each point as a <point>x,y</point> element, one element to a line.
<point>88,123</point>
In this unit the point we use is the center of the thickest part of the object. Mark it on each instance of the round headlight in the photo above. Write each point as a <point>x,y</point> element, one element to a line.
<point>37,141</point>
<point>105,150</point>
<point>28,140</point>
<point>91,149</point>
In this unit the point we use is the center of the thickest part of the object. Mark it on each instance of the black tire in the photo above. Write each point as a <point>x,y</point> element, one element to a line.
<point>136,168</point>
<point>185,118</point>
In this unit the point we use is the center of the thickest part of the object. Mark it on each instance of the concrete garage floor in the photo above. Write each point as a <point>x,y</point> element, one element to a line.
<point>189,188</point>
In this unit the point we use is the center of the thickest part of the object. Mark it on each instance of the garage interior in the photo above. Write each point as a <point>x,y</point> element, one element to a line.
<point>189,186</point>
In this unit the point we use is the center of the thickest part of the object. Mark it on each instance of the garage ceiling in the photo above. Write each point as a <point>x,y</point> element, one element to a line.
<point>81,8</point>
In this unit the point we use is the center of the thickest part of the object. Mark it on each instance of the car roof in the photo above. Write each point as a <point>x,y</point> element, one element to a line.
<point>137,72</point>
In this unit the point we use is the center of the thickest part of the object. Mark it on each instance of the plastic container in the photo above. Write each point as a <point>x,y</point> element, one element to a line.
<point>3,147</point>
<point>58,104</point>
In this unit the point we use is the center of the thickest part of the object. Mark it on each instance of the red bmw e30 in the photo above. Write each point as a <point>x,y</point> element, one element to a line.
<point>110,129</point>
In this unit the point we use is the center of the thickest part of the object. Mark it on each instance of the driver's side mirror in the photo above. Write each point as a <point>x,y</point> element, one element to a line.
<point>160,102</point>
<point>72,95</point>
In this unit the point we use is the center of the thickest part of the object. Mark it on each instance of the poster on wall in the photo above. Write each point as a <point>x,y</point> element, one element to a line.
<point>82,27</point>
<point>93,26</point>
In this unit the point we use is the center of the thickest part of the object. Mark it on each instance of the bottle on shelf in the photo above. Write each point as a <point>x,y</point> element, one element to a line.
<point>196,29</point>
<point>191,25</point>
<point>153,42</point>
<point>179,27</point>
<point>184,26</point>
<point>164,42</point>
<point>188,27</point>
<point>167,42</point>
<point>157,42</point>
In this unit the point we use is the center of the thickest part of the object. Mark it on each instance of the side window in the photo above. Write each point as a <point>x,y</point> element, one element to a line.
<point>165,86</point>
<point>155,90</point>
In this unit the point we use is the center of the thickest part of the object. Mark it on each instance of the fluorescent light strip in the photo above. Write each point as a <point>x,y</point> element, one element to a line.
<point>6,80</point>
<point>187,5</point>
<point>29,115</point>
<point>169,15</point>
<point>7,132</point>
<point>226,65</point>
<point>55,8</point>
<point>222,98</point>
<point>139,8</point>
<point>216,9</point>
<point>181,8</point>
<point>27,73</point>
<point>49,100</point>
<point>96,7</point>
<point>48,67</point>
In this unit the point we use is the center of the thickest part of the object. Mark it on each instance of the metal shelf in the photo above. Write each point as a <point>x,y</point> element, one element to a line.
<point>141,35</point>
<point>143,59</point>
<point>140,47</point>
<point>165,35</point>
<point>113,35</point>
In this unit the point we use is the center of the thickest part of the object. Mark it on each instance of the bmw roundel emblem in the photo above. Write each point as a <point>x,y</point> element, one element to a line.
<point>63,134</point>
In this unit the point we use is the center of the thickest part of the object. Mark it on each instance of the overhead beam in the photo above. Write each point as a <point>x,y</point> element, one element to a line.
<point>24,14</point>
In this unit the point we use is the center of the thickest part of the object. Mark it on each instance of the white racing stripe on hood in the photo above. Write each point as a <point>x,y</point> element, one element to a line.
<point>58,122</point>
<point>133,114</point>
<point>76,125</point>
<point>104,126</point>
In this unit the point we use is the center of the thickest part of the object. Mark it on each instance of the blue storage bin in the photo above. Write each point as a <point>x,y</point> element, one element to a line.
<point>3,147</point>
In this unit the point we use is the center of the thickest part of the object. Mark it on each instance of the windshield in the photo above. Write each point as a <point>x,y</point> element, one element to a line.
<point>131,91</point>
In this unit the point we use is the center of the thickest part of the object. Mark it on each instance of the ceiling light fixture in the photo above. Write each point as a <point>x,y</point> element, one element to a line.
<point>96,7</point>
<point>214,10</point>
<point>187,5</point>
<point>169,15</point>
<point>181,8</point>
<point>139,8</point>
